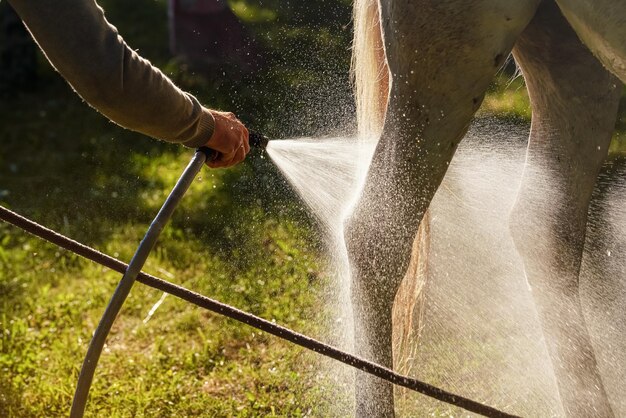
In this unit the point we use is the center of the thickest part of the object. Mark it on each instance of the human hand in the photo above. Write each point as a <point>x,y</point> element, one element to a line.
<point>229,139</point>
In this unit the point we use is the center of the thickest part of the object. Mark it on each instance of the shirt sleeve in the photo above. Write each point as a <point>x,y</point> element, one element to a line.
<point>91,55</point>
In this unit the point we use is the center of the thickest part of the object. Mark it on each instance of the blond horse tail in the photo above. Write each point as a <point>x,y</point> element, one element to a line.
<point>370,73</point>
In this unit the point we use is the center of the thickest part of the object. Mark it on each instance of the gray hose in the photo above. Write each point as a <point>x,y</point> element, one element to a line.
<point>126,283</point>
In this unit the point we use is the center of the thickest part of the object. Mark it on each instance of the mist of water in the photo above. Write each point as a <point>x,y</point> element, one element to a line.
<point>328,174</point>
<point>480,335</point>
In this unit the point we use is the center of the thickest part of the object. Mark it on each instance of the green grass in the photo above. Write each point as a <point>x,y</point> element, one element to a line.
<point>226,241</point>
<point>240,236</point>
<point>507,98</point>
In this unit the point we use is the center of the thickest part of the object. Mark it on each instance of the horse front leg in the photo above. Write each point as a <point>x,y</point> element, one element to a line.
<point>439,76</point>
<point>379,238</point>
<point>574,101</point>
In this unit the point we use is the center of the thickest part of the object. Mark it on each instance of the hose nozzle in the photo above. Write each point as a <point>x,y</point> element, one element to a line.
<point>256,140</point>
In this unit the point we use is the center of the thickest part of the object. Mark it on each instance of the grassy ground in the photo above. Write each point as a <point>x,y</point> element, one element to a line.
<point>232,239</point>
<point>240,235</point>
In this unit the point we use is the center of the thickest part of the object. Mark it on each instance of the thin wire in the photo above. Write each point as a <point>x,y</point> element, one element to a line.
<point>251,320</point>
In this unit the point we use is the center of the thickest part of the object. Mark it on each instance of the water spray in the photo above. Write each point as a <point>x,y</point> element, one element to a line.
<point>133,272</point>
<point>146,245</point>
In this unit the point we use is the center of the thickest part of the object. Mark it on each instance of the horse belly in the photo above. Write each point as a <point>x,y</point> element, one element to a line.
<point>600,24</point>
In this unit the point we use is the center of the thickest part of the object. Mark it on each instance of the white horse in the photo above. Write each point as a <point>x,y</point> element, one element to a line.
<point>421,70</point>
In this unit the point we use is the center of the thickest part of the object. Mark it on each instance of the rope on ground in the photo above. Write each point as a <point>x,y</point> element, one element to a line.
<point>251,320</point>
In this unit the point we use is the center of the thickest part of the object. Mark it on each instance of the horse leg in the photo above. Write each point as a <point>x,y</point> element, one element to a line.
<point>439,75</point>
<point>371,77</point>
<point>574,102</point>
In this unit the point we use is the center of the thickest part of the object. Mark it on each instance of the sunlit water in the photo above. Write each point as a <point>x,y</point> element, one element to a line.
<point>480,335</point>
<point>328,173</point>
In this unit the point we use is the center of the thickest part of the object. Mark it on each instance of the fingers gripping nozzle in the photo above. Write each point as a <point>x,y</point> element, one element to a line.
<point>256,140</point>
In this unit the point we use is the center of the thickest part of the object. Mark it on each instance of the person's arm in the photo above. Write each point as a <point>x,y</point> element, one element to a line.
<point>105,72</point>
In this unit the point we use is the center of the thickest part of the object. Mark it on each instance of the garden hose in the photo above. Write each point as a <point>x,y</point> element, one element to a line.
<point>120,294</point>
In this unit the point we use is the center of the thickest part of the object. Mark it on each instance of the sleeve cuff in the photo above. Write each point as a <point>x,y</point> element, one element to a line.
<point>205,126</point>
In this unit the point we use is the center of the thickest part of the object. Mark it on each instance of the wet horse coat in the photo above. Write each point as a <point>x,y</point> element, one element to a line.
<point>421,71</point>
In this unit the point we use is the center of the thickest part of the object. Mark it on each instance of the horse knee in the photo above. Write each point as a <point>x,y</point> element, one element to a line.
<point>378,256</point>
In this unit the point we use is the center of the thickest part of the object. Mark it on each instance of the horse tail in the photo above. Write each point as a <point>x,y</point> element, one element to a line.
<point>370,74</point>
<point>409,304</point>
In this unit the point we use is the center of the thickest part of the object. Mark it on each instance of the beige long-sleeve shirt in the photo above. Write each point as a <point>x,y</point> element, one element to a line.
<point>87,50</point>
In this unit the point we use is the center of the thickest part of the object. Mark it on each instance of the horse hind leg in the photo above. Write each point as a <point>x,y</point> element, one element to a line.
<point>574,102</point>
<point>439,75</point>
